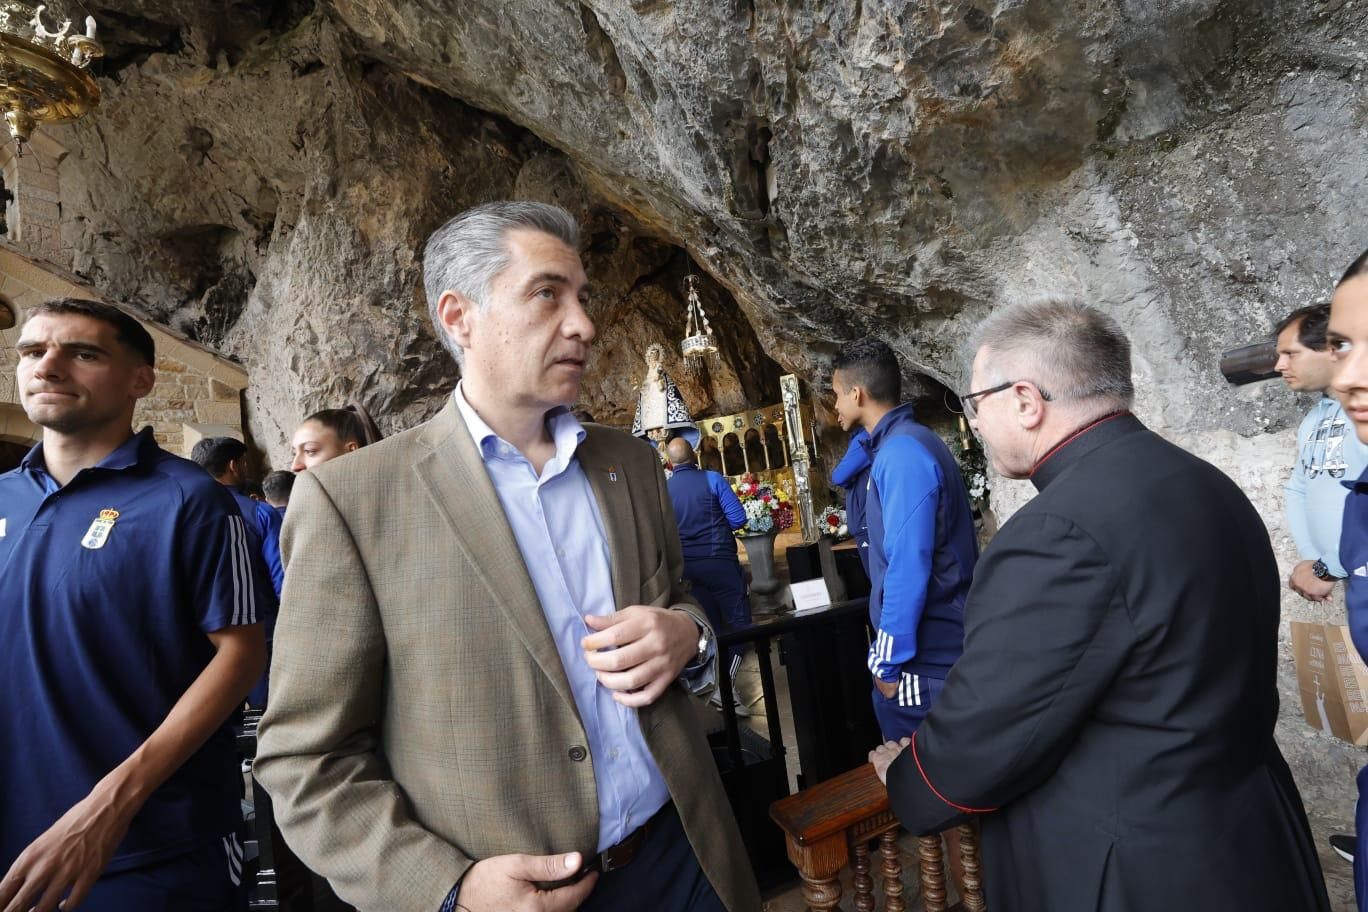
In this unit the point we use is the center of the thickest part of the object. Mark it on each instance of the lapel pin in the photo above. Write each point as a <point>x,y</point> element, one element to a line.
<point>612,473</point>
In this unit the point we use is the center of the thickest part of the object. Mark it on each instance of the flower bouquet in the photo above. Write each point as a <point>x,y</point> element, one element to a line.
<point>768,508</point>
<point>833,523</point>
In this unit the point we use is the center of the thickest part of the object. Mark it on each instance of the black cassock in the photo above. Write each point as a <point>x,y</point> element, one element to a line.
<point>1111,720</point>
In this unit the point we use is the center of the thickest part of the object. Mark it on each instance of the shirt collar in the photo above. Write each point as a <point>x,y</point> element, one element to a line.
<point>1080,443</point>
<point>565,430</point>
<point>129,454</point>
<point>892,417</point>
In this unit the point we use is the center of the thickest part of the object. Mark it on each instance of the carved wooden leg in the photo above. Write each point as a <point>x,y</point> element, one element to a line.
<point>862,882</point>
<point>819,866</point>
<point>973,883</point>
<point>892,872</point>
<point>932,873</point>
<point>822,895</point>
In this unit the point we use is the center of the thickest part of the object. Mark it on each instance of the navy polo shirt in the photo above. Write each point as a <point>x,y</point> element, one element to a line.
<point>107,589</point>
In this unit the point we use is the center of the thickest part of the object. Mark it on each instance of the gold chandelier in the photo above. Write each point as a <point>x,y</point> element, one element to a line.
<point>43,76</point>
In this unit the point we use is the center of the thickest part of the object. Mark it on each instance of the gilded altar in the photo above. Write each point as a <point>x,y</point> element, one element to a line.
<point>776,443</point>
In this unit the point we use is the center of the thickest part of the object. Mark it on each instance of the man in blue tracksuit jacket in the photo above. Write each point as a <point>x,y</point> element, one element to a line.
<point>225,458</point>
<point>922,545</point>
<point>852,473</point>
<point>708,511</point>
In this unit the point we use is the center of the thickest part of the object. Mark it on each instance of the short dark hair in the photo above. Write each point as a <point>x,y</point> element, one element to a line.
<point>214,453</point>
<point>1314,319</point>
<point>871,364</point>
<point>127,329</point>
<point>277,485</point>
<point>352,424</point>
<point>1356,268</point>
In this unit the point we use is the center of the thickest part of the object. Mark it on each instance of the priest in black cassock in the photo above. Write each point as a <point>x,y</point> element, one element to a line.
<point>1111,720</point>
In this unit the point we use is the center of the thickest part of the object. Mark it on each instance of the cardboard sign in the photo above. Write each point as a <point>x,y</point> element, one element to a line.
<point>810,595</point>
<point>1331,680</point>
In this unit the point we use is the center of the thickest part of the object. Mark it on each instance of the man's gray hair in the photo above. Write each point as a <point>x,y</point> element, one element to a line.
<point>466,253</point>
<point>1071,351</point>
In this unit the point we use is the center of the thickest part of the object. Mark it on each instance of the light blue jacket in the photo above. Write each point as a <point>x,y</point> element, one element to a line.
<point>1328,454</point>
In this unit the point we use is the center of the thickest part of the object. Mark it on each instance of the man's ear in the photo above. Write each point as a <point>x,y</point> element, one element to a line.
<point>1030,407</point>
<point>457,314</point>
<point>144,378</point>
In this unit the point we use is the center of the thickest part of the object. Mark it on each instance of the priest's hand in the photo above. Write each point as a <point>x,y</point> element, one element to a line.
<point>883,756</point>
<point>639,651</point>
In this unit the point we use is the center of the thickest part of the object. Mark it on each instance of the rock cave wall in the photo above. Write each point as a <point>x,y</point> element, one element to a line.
<point>262,176</point>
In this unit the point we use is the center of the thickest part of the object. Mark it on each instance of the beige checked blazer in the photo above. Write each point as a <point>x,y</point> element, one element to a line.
<point>420,718</point>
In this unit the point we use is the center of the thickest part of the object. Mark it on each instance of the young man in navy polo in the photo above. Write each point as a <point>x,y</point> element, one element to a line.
<point>128,639</point>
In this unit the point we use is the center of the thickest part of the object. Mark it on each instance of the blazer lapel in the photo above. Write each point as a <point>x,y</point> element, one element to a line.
<point>454,474</point>
<point>608,479</point>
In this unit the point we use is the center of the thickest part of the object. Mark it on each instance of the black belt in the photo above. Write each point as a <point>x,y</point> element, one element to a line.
<point>621,855</point>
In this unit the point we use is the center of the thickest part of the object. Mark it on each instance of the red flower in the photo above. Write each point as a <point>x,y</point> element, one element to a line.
<point>833,520</point>
<point>765,498</point>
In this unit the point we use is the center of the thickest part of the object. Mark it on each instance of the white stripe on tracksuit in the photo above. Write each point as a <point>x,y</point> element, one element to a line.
<point>244,592</point>
<point>233,849</point>
<point>880,653</point>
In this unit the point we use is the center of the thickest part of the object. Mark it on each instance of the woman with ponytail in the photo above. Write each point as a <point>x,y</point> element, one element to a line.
<point>331,433</point>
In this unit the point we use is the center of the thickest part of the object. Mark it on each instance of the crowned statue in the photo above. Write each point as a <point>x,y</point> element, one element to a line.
<point>661,412</point>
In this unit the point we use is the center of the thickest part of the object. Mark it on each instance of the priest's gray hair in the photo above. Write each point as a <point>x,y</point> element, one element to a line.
<point>1071,351</point>
<point>466,253</point>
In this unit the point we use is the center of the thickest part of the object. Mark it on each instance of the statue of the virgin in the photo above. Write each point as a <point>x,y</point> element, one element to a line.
<point>661,412</point>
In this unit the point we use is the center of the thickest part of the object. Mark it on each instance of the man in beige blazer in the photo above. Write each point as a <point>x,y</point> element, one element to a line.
<point>475,691</point>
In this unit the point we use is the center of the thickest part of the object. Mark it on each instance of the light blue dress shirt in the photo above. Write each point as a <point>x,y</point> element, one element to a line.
<point>559,530</point>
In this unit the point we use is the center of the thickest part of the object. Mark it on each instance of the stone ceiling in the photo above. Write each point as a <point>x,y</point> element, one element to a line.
<point>261,174</point>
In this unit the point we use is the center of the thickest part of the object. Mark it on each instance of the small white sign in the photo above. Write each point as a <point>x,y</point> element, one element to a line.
<point>810,595</point>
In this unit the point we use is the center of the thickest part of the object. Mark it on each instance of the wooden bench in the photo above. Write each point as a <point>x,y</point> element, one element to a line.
<point>834,823</point>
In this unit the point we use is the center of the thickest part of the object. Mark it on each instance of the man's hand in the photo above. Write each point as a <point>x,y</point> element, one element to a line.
<point>639,651</point>
<point>1308,585</point>
<point>883,756</point>
<point>508,883</point>
<point>71,855</point>
<point>887,688</point>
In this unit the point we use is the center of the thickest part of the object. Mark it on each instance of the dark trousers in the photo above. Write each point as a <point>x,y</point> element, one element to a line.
<point>903,713</point>
<point>720,587</point>
<point>1361,842</point>
<point>663,877</point>
<point>209,879</point>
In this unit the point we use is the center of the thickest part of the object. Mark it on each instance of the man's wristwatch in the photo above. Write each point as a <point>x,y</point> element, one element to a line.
<point>1322,572</point>
<point>704,644</point>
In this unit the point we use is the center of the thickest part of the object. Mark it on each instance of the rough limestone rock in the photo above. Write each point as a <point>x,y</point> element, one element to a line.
<point>264,176</point>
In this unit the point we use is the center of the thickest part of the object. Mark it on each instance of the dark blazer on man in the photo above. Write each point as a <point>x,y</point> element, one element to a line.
<point>1111,719</point>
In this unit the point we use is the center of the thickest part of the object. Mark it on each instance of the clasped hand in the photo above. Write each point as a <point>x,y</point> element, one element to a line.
<point>883,756</point>
<point>639,651</point>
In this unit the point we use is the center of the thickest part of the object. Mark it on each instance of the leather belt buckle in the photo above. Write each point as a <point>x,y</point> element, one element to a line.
<point>620,855</point>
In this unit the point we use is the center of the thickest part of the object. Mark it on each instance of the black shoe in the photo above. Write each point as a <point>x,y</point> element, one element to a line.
<point>1343,846</point>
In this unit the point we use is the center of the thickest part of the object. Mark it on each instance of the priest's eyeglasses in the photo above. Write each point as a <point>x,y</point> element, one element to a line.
<point>969,400</point>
